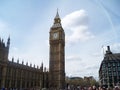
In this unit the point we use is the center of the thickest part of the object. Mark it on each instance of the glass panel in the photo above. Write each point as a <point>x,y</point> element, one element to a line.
<point>118,68</point>
<point>109,69</point>
<point>118,63</point>
<point>114,69</point>
<point>113,64</point>
<point>114,73</point>
<point>109,65</point>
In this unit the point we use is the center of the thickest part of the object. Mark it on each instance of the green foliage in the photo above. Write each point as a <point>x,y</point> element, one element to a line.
<point>78,81</point>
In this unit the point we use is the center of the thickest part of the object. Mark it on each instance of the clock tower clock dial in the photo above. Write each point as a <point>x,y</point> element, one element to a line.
<point>57,55</point>
<point>55,35</point>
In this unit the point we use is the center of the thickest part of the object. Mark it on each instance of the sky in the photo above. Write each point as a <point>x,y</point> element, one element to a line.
<point>89,25</point>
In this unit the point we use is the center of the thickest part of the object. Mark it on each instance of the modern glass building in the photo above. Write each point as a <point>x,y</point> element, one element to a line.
<point>109,71</point>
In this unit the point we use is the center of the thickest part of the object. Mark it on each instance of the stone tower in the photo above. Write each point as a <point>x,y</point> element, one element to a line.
<point>4,51</point>
<point>57,55</point>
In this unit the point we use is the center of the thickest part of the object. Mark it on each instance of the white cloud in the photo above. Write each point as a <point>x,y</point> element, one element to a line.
<point>96,54</point>
<point>77,23</point>
<point>75,64</point>
<point>81,68</point>
<point>32,48</point>
<point>4,29</point>
<point>115,47</point>
<point>73,57</point>
<point>3,26</point>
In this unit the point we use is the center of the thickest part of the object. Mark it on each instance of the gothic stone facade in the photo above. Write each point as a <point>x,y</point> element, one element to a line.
<point>20,76</point>
<point>109,72</point>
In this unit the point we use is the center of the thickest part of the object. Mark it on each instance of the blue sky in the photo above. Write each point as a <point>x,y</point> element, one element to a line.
<point>88,25</point>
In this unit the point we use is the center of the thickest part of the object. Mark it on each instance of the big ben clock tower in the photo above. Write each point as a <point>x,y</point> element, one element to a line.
<point>57,55</point>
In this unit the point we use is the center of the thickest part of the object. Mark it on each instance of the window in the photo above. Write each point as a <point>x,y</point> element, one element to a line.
<point>114,69</point>
<point>110,74</point>
<point>118,68</point>
<point>103,68</point>
<point>109,69</point>
<point>103,65</point>
<point>118,64</point>
<point>114,74</point>
<point>109,65</point>
<point>113,64</point>
<point>118,73</point>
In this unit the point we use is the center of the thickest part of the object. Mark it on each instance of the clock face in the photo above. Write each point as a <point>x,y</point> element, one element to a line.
<point>55,35</point>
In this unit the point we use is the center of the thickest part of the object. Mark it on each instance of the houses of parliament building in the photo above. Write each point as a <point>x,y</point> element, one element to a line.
<point>24,76</point>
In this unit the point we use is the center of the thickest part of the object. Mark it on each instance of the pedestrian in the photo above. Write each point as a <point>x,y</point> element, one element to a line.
<point>94,88</point>
<point>90,88</point>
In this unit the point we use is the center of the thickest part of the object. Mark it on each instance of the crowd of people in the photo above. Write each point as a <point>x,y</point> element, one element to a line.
<point>72,88</point>
<point>92,88</point>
